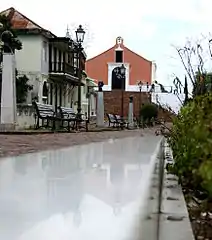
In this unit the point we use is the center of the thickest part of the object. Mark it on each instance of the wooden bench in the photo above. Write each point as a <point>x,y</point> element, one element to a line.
<point>45,113</point>
<point>120,121</point>
<point>68,115</point>
<point>111,120</point>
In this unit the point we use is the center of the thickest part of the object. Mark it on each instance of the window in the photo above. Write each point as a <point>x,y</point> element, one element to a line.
<point>45,51</point>
<point>119,56</point>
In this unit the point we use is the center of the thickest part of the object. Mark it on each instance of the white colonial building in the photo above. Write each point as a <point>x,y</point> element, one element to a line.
<point>50,64</point>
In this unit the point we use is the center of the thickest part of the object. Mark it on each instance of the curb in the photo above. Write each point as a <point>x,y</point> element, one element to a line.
<point>174,219</point>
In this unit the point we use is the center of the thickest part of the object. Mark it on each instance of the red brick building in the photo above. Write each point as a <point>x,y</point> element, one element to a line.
<point>104,67</point>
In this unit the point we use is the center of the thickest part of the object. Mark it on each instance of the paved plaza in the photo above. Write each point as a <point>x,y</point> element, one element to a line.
<point>12,145</point>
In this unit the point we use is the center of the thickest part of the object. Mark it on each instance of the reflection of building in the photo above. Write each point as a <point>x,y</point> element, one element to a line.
<point>64,181</point>
<point>112,184</point>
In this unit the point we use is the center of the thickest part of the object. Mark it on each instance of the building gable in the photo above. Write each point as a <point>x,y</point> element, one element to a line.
<point>24,25</point>
<point>18,20</point>
<point>138,67</point>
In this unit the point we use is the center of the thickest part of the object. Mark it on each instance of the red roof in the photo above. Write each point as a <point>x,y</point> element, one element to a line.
<point>18,20</point>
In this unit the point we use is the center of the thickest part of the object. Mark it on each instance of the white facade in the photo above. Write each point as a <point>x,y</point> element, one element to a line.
<point>29,58</point>
<point>32,61</point>
<point>128,87</point>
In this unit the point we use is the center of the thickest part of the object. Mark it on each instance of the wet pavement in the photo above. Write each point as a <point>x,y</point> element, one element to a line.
<point>85,192</point>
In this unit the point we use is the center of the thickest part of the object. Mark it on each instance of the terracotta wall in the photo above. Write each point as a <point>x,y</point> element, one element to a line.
<point>140,68</point>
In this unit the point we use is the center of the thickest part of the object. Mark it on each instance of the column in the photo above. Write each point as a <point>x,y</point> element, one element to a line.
<point>8,95</point>
<point>100,107</point>
<point>130,113</point>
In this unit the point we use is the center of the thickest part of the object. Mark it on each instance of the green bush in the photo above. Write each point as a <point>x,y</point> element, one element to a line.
<point>191,142</point>
<point>148,112</point>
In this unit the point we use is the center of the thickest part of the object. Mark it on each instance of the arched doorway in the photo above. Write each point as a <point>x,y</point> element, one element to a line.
<point>118,82</point>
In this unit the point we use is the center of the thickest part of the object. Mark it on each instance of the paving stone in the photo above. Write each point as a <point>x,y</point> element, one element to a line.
<point>12,145</point>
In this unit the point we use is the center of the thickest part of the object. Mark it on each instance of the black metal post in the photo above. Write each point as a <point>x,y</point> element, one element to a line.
<point>122,102</point>
<point>89,102</point>
<point>139,108</point>
<point>79,107</point>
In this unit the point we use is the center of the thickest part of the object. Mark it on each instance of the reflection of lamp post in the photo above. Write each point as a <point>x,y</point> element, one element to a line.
<point>80,33</point>
<point>123,76</point>
<point>140,84</point>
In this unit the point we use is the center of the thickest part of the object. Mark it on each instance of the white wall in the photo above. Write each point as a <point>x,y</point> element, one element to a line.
<point>44,56</point>
<point>32,61</point>
<point>28,59</point>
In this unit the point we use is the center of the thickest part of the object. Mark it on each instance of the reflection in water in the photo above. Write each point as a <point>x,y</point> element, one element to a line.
<point>77,218</point>
<point>82,185</point>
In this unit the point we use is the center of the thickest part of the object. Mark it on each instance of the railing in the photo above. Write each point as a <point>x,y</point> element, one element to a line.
<point>61,67</point>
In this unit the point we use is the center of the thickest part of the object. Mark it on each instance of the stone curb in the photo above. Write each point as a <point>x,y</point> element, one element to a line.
<point>174,219</point>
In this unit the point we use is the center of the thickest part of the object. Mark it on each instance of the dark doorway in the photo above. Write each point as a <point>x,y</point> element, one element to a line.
<point>45,89</point>
<point>118,80</point>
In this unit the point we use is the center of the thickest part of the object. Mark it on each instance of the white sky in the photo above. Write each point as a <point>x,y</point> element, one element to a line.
<point>148,27</point>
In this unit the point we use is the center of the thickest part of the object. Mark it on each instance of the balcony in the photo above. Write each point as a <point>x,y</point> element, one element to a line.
<point>62,68</point>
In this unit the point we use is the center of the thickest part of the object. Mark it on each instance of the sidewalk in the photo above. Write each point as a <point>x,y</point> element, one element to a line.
<point>13,145</point>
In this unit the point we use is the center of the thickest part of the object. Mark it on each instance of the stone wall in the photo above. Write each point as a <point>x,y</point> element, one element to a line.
<point>113,101</point>
<point>25,116</point>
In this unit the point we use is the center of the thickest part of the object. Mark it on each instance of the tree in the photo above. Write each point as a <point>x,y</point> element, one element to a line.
<point>162,88</point>
<point>149,111</point>
<point>22,88</point>
<point>193,57</point>
<point>14,43</point>
<point>186,91</point>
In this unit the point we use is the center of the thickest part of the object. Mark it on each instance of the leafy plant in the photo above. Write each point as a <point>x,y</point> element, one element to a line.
<point>22,88</point>
<point>191,140</point>
<point>148,112</point>
<point>14,43</point>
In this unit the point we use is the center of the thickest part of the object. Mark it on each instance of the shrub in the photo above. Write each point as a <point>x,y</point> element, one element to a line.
<point>191,141</point>
<point>148,111</point>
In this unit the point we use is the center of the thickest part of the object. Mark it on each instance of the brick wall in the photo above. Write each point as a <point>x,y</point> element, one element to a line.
<point>113,100</point>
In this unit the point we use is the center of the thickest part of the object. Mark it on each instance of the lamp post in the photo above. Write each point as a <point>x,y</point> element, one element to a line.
<point>140,84</point>
<point>123,78</point>
<point>80,33</point>
<point>89,99</point>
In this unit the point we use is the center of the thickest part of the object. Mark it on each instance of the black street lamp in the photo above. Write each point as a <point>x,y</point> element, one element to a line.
<point>123,78</point>
<point>80,33</point>
<point>140,85</point>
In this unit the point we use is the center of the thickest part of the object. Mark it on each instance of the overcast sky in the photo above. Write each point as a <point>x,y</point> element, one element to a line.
<point>148,27</point>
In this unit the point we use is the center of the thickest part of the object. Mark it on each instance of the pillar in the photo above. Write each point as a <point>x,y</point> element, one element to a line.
<point>8,95</point>
<point>100,110</point>
<point>100,107</point>
<point>130,113</point>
